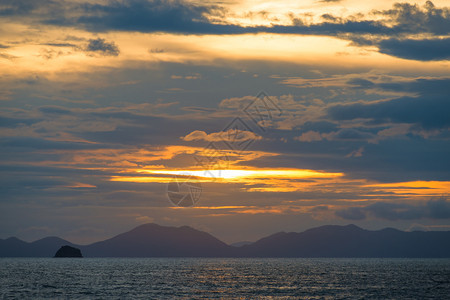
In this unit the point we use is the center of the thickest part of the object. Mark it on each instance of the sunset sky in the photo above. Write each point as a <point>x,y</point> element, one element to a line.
<point>289,114</point>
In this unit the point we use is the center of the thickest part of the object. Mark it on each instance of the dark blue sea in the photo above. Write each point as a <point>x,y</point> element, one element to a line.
<point>205,278</point>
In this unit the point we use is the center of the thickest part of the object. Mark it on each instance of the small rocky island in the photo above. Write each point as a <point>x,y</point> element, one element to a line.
<point>67,251</point>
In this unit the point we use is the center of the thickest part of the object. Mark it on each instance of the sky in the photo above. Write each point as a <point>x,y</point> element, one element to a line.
<point>271,115</point>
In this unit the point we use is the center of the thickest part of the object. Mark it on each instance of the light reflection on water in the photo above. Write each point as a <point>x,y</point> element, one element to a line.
<point>224,278</point>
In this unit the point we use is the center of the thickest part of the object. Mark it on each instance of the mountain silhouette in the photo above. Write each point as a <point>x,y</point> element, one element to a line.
<point>159,241</point>
<point>152,240</point>
<point>351,241</point>
<point>13,247</point>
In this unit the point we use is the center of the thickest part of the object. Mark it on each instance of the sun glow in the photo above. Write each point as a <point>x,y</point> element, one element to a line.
<point>242,174</point>
<point>257,180</point>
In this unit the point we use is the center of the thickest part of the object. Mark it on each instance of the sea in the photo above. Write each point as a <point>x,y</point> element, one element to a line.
<point>223,278</point>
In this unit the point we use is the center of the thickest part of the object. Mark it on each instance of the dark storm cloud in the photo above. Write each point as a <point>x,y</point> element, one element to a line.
<point>430,109</point>
<point>414,19</point>
<point>128,15</point>
<point>433,209</point>
<point>7,56</point>
<point>391,160</point>
<point>40,143</point>
<point>361,83</point>
<point>101,46</point>
<point>351,213</point>
<point>50,170</point>
<point>15,122</point>
<point>330,28</point>
<point>147,16</point>
<point>388,30</point>
<point>350,134</point>
<point>406,156</point>
<point>61,45</point>
<point>439,209</point>
<point>422,87</point>
<point>426,50</point>
<point>25,7</point>
<point>147,129</point>
<point>184,17</point>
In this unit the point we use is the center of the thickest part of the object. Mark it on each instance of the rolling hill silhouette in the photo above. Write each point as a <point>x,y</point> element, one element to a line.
<point>351,241</point>
<point>159,241</point>
<point>13,247</point>
<point>152,240</point>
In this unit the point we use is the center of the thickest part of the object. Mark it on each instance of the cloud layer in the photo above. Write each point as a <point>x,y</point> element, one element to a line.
<point>433,209</point>
<point>390,31</point>
<point>104,101</point>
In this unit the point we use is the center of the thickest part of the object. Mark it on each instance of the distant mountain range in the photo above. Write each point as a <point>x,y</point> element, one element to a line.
<point>152,240</point>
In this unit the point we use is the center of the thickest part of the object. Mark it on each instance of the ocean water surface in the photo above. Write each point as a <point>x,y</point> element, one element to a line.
<point>206,278</point>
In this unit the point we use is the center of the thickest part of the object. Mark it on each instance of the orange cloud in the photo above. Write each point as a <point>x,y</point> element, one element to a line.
<point>232,135</point>
<point>415,188</point>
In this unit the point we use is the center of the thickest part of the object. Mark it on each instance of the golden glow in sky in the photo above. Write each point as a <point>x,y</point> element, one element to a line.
<point>228,175</point>
<point>104,103</point>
